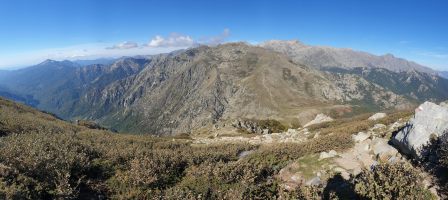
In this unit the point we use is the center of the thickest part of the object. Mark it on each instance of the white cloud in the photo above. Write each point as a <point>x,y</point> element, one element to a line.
<point>77,52</point>
<point>124,45</point>
<point>156,45</point>
<point>181,40</point>
<point>173,40</point>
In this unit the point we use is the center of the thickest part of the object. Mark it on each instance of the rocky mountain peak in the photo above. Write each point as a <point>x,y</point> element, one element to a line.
<point>283,42</point>
<point>329,57</point>
<point>47,61</point>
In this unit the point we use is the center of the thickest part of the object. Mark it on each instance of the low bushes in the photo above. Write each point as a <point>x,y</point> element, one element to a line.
<point>434,160</point>
<point>391,181</point>
<point>44,165</point>
<point>89,124</point>
<point>18,119</point>
<point>99,163</point>
<point>47,158</point>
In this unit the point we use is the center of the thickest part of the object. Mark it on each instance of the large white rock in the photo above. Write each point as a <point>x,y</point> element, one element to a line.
<point>382,149</point>
<point>377,116</point>
<point>325,155</point>
<point>314,181</point>
<point>361,136</point>
<point>430,120</point>
<point>444,104</point>
<point>320,118</point>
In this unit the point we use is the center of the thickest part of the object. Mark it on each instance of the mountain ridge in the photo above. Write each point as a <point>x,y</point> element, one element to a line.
<point>324,57</point>
<point>198,88</point>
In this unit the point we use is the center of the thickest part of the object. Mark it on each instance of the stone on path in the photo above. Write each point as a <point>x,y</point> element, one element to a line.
<point>361,136</point>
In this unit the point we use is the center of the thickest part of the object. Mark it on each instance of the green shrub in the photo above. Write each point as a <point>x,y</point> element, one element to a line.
<point>42,157</point>
<point>273,125</point>
<point>47,164</point>
<point>391,181</point>
<point>89,124</point>
<point>20,119</point>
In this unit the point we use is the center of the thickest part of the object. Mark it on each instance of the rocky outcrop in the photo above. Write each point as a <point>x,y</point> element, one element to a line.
<point>320,118</point>
<point>325,155</point>
<point>251,126</point>
<point>377,116</point>
<point>361,136</point>
<point>430,121</point>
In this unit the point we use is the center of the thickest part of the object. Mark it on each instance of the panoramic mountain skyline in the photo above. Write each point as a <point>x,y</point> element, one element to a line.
<point>225,99</point>
<point>83,30</point>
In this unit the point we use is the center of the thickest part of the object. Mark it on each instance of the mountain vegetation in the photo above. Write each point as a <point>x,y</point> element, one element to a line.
<point>43,157</point>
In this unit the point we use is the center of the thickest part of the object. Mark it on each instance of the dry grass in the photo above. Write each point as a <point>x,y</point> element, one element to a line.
<point>42,157</point>
<point>356,124</point>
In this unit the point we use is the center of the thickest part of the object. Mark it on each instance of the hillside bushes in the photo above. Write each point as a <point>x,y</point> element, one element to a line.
<point>434,160</point>
<point>95,163</point>
<point>38,166</point>
<point>47,158</point>
<point>391,181</point>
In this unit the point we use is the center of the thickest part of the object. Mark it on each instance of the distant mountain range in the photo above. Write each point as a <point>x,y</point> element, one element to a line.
<point>444,74</point>
<point>195,89</point>
<point>329,57</point>
<point>102,61</point>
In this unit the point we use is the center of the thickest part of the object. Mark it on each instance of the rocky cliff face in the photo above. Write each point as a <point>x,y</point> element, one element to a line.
<point>328,57</point>
<point>179,93</point>
<point>193,89</point>
<point>201,86</point>
<point>56,86</point>
<point>413,85</point>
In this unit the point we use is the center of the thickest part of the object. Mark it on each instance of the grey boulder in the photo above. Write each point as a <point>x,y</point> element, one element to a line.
<point>430,121</point>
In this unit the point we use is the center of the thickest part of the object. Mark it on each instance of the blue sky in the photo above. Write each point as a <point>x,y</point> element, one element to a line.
<point>31,31</point>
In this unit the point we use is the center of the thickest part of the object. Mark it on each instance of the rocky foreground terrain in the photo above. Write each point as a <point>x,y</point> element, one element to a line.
<point>370,156</point>
<point>399,142</point>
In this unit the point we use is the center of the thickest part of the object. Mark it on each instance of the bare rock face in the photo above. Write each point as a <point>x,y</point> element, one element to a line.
<point>377,116</point>
<point>321,57</point>
<point>320,118</point>
<point>430,121</point>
